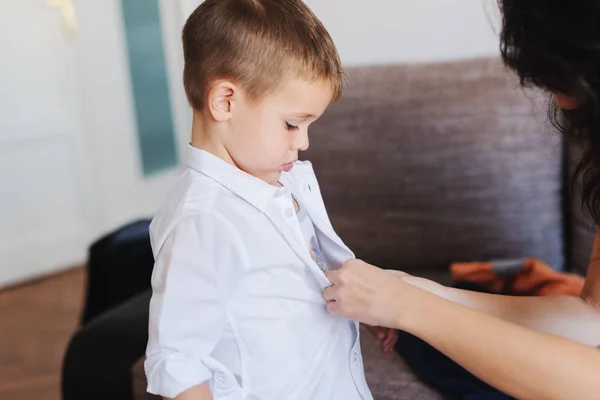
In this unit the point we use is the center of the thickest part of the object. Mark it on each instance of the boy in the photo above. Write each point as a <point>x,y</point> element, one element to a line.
<point>242,241</point>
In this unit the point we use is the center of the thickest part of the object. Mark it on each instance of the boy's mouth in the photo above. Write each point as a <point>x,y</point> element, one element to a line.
<point>287,167</point>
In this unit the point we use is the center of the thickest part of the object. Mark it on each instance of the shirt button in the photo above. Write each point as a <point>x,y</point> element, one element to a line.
<point>355,356</point>
<point>289,213</point>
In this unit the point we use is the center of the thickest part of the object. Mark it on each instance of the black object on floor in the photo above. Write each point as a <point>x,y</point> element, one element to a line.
<point>114,332</point>
<point>97,365</point>
<point>119,267</point>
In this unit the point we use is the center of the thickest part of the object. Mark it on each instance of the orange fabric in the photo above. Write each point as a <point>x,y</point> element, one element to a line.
<point>534,279</point>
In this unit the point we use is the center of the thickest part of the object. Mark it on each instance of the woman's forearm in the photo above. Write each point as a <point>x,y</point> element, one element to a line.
<point>521,362</point>
<point>567,316</point>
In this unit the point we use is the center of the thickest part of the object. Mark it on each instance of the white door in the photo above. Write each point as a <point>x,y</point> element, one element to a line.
<point>44,192</point>
<point>71,165</point>
<point>122,189</point>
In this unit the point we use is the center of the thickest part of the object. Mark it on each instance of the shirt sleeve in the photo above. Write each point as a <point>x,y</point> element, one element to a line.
<point>195,270</point>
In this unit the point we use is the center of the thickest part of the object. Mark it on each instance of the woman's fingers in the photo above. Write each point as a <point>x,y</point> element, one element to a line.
<point>333,276</point>
<point>332,308</point>
<point>361,291</point>
<point>329,293</point>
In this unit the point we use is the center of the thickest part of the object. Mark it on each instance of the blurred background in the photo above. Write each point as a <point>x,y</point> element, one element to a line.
<point>93,116</point>
<point>93,121</point>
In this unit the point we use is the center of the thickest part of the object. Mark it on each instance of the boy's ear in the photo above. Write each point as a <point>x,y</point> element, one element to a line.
<point>221,97</point>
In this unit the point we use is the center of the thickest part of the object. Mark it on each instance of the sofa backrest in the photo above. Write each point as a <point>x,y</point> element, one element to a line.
<point>422,165</point>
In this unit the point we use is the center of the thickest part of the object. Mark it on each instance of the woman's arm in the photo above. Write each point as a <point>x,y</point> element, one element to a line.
<point>521,362</point>
<point>576,318</point>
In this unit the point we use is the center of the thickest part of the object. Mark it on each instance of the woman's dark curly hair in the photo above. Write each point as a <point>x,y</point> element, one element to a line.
<point>555,45</point>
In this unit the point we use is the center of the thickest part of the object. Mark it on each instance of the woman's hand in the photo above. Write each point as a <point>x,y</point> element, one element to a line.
<point>367,294</point>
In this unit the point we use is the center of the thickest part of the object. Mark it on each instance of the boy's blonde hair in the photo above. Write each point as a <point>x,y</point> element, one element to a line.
<point>257,44</point>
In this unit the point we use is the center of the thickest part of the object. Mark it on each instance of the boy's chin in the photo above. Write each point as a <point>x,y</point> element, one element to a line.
<point>274,179</point>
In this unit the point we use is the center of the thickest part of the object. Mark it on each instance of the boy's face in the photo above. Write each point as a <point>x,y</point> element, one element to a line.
<point>265,138</point>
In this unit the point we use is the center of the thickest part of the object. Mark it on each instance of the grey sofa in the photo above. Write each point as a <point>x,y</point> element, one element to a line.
<point>422,165</point>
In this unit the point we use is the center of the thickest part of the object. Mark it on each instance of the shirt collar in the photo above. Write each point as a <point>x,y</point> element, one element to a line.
<point>253,190</point>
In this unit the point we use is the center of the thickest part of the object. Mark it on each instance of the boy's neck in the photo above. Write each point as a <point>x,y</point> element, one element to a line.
<point>206,136</point>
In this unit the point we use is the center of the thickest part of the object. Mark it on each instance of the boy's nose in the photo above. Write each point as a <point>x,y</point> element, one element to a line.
<point>301,143</point>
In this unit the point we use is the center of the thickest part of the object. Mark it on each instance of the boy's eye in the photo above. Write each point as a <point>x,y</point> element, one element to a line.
<point>290,127</point>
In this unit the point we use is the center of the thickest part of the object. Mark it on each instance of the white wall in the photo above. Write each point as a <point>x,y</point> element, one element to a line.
<point>381,31</point>
<point>384,31</point>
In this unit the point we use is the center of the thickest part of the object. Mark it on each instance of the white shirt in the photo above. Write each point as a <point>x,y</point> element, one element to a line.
<point>310,238</point>
<point>237,300</point>
<point>339,368</point>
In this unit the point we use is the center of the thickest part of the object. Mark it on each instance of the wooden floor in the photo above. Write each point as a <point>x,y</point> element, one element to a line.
<point>36,322</point>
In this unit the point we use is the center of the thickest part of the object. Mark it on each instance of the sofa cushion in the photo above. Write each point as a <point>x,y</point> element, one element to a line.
<point>388,376</point>
<point>422,165</point>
